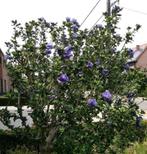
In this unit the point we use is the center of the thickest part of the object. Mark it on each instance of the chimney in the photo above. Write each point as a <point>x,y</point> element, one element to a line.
<point>137,47</point>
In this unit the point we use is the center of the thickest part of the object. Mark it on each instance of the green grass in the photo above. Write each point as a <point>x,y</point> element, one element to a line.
<point>137,148</point>
<point>3,96</point>
<point>21,150</point>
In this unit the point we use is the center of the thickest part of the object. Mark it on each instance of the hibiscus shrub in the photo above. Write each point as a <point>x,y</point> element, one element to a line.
<point>77,82</point>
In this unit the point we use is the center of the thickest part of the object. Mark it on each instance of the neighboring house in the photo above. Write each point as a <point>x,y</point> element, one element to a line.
<point>139,59</point>
<point>5,83</point>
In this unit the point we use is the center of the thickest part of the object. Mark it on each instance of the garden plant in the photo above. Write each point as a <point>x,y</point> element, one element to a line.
<point>78,84</point>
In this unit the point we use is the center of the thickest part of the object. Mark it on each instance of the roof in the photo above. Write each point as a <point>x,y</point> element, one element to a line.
<point>1,52</point>
<point>138,51</point>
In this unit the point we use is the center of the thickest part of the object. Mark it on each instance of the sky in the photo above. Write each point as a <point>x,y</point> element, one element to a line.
<point>58,10</point>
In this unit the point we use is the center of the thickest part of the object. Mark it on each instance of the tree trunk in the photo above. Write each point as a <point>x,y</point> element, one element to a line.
<point>47,149</point>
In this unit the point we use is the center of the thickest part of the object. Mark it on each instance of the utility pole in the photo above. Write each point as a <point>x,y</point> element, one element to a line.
<point>109,7</point>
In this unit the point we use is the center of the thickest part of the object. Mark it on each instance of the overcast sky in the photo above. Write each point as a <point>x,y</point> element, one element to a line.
<point>58,10</point>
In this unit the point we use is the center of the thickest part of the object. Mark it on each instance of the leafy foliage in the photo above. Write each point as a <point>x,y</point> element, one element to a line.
<point>77,83</point>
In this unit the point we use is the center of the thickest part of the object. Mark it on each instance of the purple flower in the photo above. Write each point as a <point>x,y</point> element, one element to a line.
<point>107,96</point>
<point>116,9</point>
<point>68,52</point>
<point>48,49</point>
<point>51,97</point>
<point>75,28</point>
<point>68,48</point>
<point>97,62</point>
<point>113,50</point>
<point>138,121</point>
<point>100,26</point>
<point>74,21</point>
<point>105,72</point>
<point>92,102</point>
<point>49,46</point>
<point>89,64</point>
<point>63,38</point>
<point>130,96</point>
<point>63,78</point>
<point>130,53</point>
<point>74,35</point>
<point>8,57</point>
<point>67,19</point>
<point>126,66</point>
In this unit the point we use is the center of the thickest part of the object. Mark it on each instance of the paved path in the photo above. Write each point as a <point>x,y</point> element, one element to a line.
<point>142,103</point>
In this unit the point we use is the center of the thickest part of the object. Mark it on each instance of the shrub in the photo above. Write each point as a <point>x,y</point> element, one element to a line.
<point>7,101</point>
<point>71,77</point>
<point>22,137</point>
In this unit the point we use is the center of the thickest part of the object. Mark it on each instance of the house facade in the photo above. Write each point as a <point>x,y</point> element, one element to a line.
<point>139,59</point>
<point>5,83</point>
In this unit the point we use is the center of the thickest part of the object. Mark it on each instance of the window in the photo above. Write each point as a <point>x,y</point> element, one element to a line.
<point>1,86</point>
<point>5,86</point>
<point>1,60</point>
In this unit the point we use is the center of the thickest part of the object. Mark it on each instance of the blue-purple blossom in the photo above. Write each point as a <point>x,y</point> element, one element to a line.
<point>75,28</point>
<point>41,19</point>
<point>68,52</point>
<point>130,52</point>
<point>48,49</point>
<point>63,37</point>
<point>68,19</point>
<point>107,96</point>
<point>126,66</point>
<point>52,97</point>
<point>74,21</point>
<point>138,121</point>
<point>100,26</point>
<point>63,78</point>
<point>49,46</point>
<point>8,57</point>
<point>116,9</point>
<point>105,72</point>
<point>97,62</point>
<point>89,64</point>
<point>113,50</point>
<point>92,102</point>
<point>130,96</point>
<point>74,35</point>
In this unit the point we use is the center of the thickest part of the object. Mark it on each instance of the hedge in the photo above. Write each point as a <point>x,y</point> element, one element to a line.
<point>5,101</point>
<point>10,140</point>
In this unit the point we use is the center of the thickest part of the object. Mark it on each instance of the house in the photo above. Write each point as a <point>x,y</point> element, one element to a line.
<point>139,59</point>
<point>5,83</point>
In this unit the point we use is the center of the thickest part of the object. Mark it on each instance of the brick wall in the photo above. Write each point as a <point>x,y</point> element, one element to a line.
<point>142,60</point>
<point>5,82</point>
